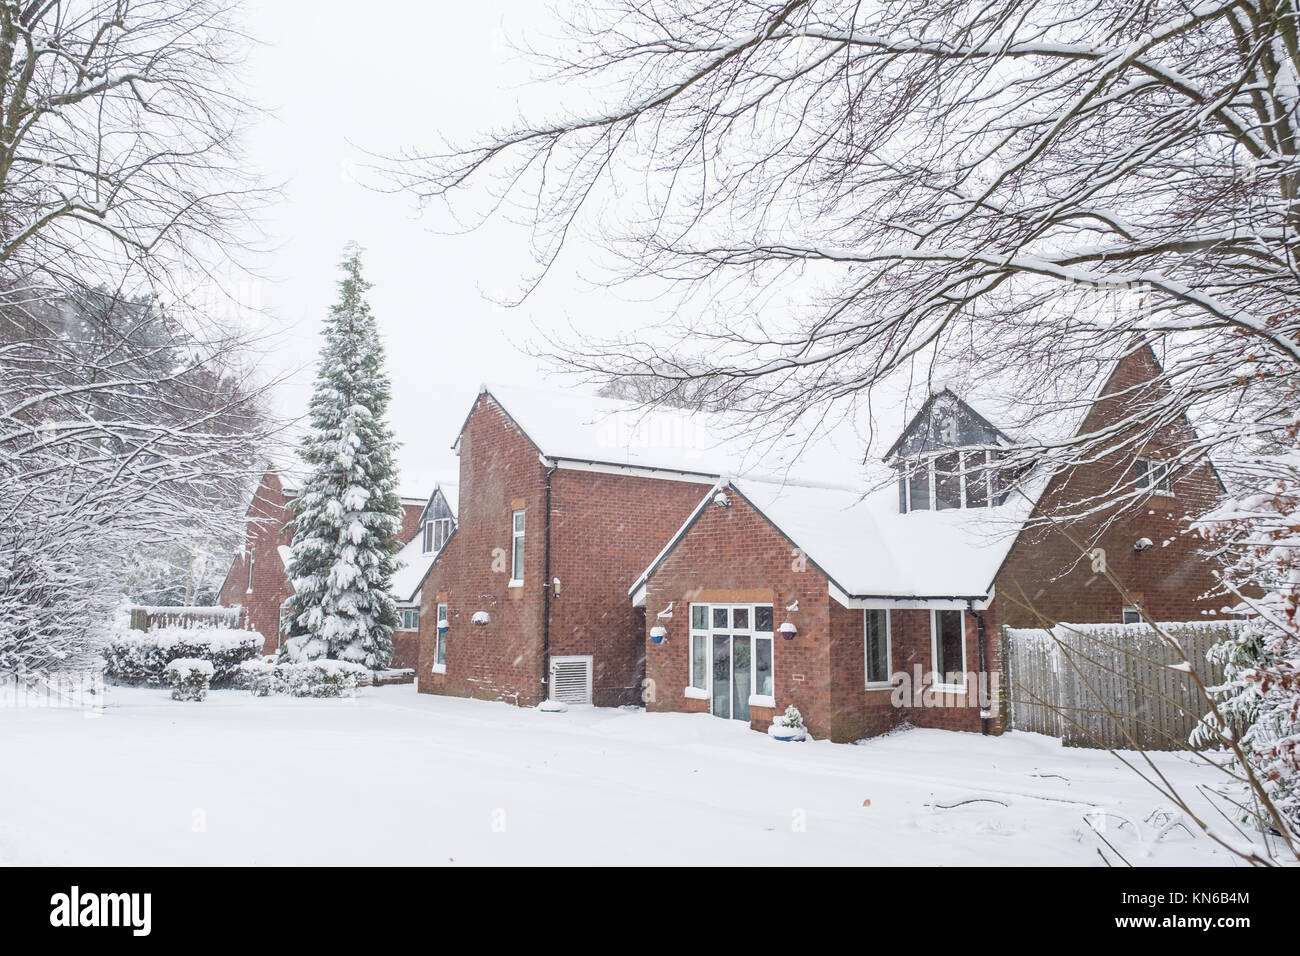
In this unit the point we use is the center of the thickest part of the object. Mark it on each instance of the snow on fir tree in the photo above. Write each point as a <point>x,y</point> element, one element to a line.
<point>348,513</point>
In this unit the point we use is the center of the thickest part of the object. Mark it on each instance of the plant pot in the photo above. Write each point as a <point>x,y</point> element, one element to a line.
<point>787,734</point>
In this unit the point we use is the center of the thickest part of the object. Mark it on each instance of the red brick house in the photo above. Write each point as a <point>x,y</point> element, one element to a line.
<point>602,556</point>
<point>257,580</point>
<point>916,576</point>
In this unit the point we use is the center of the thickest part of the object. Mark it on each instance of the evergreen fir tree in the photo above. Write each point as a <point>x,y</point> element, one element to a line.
<point>347,515</point>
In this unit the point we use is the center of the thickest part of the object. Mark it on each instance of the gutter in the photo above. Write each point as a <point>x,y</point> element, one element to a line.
<point>546,589</point>
<point>979,631</point>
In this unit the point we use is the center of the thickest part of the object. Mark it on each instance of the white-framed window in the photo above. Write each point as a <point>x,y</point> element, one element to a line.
<point>1130,614</point>
<point>251,560</point>
<point>436,533</point>
<point>1153,476</point>
<point>440,640</point>
<point>745,664</point>
<point>517,549</point>
<point>950,479</point>
<point>286,620</point>
<point>948,650</point>
<point>875,647</point>
<point>408,618</point>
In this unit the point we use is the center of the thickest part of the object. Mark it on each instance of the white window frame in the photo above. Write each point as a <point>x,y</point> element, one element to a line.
<point>1128,609</point>
<point>518,530</point>
<point>436,533</point>
<point>935,675</point>
<point>927,460</point>
<point>286,617</point>
<point>707,632</point>
<point>401,619</point>
<point>889,650</point>
<point>1147,482</point>
<point>251,561</point>
<point>440,614</point>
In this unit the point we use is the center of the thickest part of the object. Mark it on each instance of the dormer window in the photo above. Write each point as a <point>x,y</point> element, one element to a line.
<point>950,479</point>
<point>436,533</point>
<point>947,457</point>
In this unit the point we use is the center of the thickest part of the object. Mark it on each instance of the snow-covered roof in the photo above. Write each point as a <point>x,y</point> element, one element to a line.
<point>571,425</point>
<point>412,565</point>
<point>867,549</point>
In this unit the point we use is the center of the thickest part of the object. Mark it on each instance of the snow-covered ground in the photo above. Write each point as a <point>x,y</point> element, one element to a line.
<point>395,777</point>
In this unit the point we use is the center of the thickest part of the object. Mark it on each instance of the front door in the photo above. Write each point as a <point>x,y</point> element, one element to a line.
<point>731,676</point>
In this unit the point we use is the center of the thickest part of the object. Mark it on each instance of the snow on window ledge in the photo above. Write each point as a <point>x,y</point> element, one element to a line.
<point>440,668</point>
<point>695,693</point>
<point>762,700</point>
<point>515,584</point>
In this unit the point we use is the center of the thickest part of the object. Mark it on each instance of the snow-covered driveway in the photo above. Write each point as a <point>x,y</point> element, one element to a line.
<point>400,778</point>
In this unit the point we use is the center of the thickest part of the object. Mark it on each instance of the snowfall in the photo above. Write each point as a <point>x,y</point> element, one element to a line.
<point>396,777</point>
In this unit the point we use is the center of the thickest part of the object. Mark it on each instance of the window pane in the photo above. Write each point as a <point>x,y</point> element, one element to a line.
<point>1140,470</point>
<point>699,616</point>
<point>947,645</point>
<point>740,678</point>
<point>740,618</point>
<point>763,666</point>
<point>699,660</point>
<point>441,657</point>
<point>1002,479</point>
<point>719,617</point>
<point>519,522</point>
<point>947,482</point>
<point>877,647</point>
<point>517,567</point>
<point>442,614</point>
<point>919,487</point>
<point>763,617</point>
<point>977,480</point>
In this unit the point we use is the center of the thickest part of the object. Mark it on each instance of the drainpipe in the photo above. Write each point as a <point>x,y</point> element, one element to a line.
<point>546,589</point>
<point>979,642</point>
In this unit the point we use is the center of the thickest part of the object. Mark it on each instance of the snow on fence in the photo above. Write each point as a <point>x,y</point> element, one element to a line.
<point>145,618</point>
<point>1111,685</point>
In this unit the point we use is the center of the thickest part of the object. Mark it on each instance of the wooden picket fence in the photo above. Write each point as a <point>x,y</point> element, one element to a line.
<point>1110,685</point>
<point>151,618</point>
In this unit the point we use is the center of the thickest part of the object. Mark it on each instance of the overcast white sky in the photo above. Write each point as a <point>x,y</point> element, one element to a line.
<point>339,79</point>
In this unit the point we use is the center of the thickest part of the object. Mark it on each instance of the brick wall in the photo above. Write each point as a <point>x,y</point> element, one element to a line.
<point>1043,574</point>
<point>499,473</point>
<point>605,529</point>
<point>267,529</point>
<point>733,555</point>
<point>410,521</point>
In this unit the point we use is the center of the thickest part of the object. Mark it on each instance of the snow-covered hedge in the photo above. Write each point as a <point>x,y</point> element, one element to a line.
<point>140,657</point>
<point>319,678</point>
<point>190,678</point>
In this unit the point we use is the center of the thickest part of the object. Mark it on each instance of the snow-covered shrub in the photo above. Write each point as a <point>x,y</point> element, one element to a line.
<point>140,657</point>
<point>190,678</point>
<point>791,718</point>
<point>788,726</point>
<point>260,676</point>
<point>319,678</point>
<point>322,678</point>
